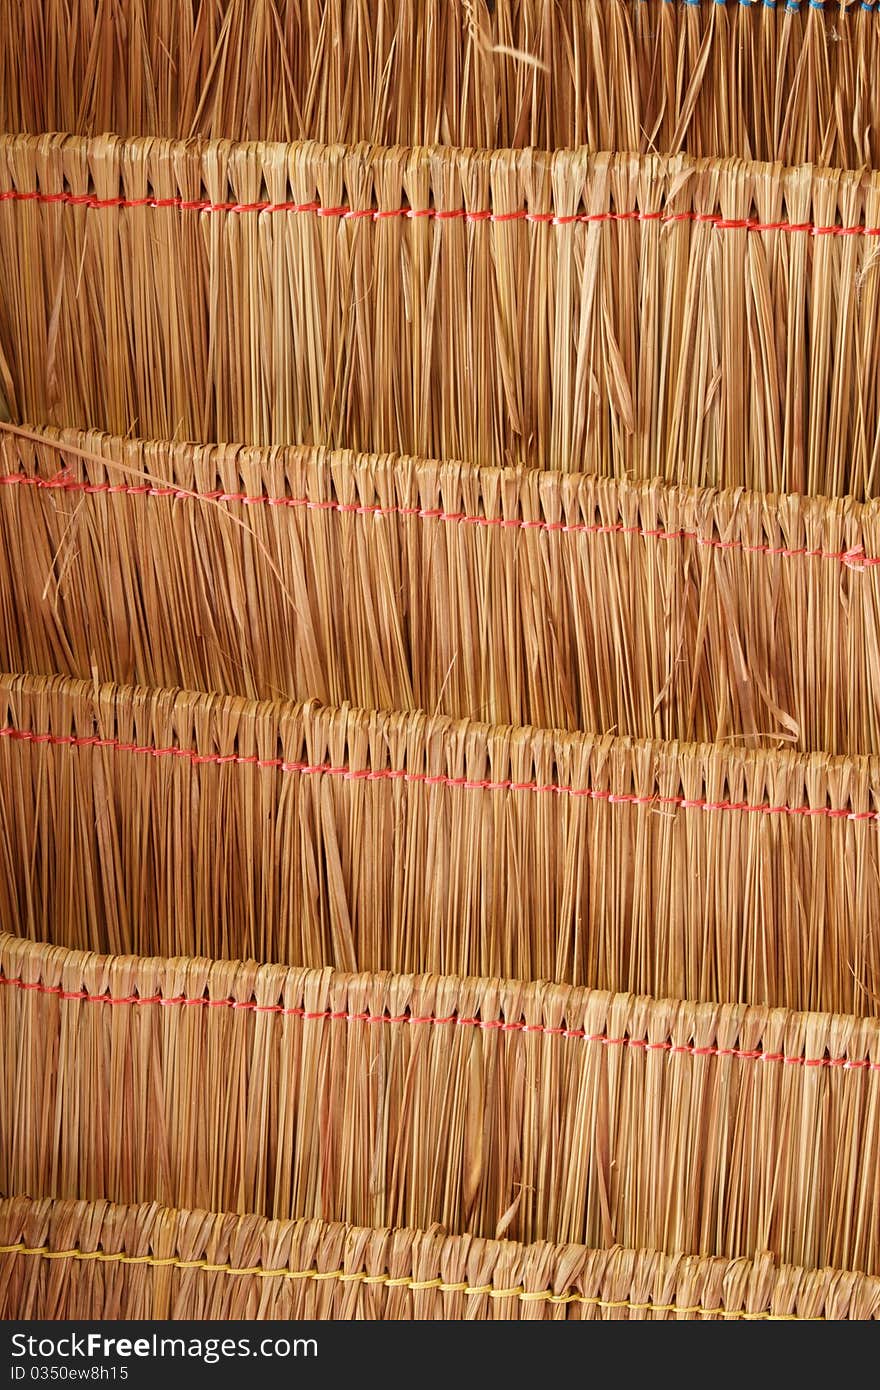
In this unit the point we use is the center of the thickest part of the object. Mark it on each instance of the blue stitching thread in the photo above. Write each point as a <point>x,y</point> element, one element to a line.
<point>791,6</point>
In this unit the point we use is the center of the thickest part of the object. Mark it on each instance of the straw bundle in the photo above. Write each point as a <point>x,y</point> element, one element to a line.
<point>509,595</point>
<point>768,79</point>
<point>707,323</point>
<point>156,822</point>
<point>535,1111</point>
<point>86,1260</point>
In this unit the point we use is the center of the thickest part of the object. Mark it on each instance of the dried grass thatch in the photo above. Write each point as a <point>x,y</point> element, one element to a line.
<point>155,822</point>
<point>708,323</point>
<point>757,78</point>
<point>93,1259</point>
<point>538,1112</point>
<point>683,336</point>
<point>511,596</point>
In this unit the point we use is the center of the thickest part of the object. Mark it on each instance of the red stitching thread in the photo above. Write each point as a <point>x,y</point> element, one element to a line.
<point>487,1025</point>
<point>390,774</point>
<point>853,559</point>
<point>345,213</point>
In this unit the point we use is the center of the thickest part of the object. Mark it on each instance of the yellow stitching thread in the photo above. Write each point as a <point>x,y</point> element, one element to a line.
<point>361,1276</point>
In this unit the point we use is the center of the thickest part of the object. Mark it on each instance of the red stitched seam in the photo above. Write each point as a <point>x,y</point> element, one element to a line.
<point>432,1020</point>
<point>345,213</point>
<point>853,559</point>
<point>441,779</point>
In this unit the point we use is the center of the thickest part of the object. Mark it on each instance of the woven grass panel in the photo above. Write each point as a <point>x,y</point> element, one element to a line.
<point>160,822</point>
<point>440,743</point>
<point>708,323</point>
<point>547,1112</point>
<point>565,601</point>
<point>94,1259</point>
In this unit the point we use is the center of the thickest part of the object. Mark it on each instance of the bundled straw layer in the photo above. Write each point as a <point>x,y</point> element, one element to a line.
<point>322,1137</point>
<point>756,78</point>
<point>506,595</point>
<point>156,822</point>
<point>703,322</point>
<point>97,1260</point>
<point>533,1111</point>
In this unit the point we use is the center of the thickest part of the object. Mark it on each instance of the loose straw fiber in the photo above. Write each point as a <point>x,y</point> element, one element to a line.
<point>539,1112</point>
<point>158,822</point>
<point>761,78</point>
<point>710,323</point>
<point>86,1260</point>
<point>510,595</point>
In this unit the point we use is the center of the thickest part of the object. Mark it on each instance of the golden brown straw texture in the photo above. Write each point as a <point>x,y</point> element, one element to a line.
<point>537,1112</point>
<point>709,323</point>
<point>510,595</point>
<point>97,1260</point>
<point>770,81</point>
<point>157,822</point>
